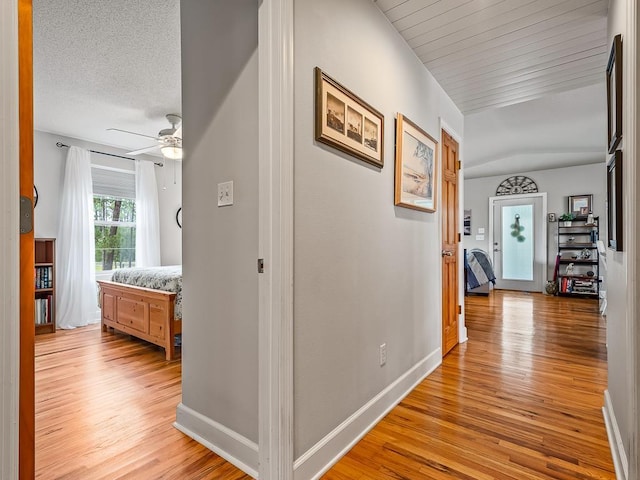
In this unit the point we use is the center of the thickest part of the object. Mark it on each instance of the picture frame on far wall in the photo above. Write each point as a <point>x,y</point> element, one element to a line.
<point>416,166</point>
<point>614,202</point>
<point>580,205</point>
<point>614,94</point>
<point>346,122</point>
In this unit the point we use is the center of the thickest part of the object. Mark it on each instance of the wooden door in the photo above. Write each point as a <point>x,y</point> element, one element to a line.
<point>26,443</point>
<point>450,240</point>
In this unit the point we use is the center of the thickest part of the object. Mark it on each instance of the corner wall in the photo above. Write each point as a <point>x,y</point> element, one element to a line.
<point>559,183</point>
<point>220,244</point>
<point>622,267</point>
<point>365,272</point>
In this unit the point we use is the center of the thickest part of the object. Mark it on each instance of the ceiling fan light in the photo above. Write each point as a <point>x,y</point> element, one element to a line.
<point>172,152</point>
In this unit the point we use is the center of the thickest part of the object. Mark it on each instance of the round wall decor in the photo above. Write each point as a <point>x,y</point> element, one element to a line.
<point>179,217</point>
<point>516,185</point>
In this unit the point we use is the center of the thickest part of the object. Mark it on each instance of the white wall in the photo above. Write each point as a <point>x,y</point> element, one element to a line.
<point>49,161</point>
<point>365,272</point>
<point>220,329</point>
<point>559,183</point>
<point>618,316</point>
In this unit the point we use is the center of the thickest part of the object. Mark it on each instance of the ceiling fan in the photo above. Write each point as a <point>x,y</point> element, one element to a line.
<point>169,140</point>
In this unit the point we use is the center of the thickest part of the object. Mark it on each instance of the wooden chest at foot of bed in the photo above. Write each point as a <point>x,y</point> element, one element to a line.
<point>141,312</point>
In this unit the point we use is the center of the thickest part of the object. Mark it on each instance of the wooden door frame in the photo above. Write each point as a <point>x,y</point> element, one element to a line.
<point>462,327</point>
<point>9,242</point>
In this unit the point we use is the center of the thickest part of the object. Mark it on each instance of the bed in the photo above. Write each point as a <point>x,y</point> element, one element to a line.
<point>145,303</point>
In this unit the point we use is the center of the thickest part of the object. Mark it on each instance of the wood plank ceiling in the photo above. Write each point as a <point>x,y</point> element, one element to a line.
<point>493,53</point>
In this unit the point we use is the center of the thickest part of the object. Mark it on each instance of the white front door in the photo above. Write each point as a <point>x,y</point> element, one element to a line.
<point>519,241</point>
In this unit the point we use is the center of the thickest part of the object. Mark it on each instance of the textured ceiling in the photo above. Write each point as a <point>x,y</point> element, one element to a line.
<point>101,64</point>
<point>493,53</point>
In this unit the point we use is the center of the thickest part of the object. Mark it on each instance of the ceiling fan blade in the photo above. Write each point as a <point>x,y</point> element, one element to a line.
<point>178,132</point>
<point>144,150</point>
<point>132,133</point>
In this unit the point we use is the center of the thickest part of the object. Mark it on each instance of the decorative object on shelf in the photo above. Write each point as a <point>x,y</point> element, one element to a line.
<point>585,254</point>
<point>516,185</point>
<point>348,123</point>
<point>614,201</point>
<point>551,287</point>
<point>571,239</point>
<point>179,217</point>
<point>416,166</point>
<point>580,205</point>
<point>614,94</point>
<point>566,219</point>
<point>35,197</point>
<point>569,269</point>
<point>517,229</point>
<point>590,273</point>
<point>590,219</point>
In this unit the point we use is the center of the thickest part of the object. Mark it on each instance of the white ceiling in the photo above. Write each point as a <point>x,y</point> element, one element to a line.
<point>560,130</point>
<point>116,63</point>
<point>493,53</point>
<point>101,64</point>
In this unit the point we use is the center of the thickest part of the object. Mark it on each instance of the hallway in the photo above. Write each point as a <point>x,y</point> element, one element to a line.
<point>522,399</point>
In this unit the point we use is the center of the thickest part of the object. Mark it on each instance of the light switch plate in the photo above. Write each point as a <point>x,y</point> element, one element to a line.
<point>225,194</point>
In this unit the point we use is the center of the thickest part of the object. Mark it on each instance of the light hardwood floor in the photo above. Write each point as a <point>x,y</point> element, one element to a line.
<point>521,400</point>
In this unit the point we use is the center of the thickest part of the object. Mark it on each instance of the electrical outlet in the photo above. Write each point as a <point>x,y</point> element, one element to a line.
<point>225,194</point>
<point>383,354</point>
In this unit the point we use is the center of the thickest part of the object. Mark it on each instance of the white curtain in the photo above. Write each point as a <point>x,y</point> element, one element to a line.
<point>147,216</point>
<point>76,287</point>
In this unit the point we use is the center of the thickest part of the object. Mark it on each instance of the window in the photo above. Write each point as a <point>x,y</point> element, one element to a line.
<point>115,232</point>
<point>114,215</point>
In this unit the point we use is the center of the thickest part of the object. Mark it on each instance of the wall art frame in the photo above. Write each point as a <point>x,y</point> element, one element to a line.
<point>346,122</point>
<point>614,202</point>
<point>581,205</point>
<point>416,167</point>
<point>614,94</point>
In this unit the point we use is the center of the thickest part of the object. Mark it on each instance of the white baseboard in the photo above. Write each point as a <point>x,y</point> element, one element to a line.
<point>620,462</point>
<point>463,335</point>
<point>322,456</point>
<point>230,445</point>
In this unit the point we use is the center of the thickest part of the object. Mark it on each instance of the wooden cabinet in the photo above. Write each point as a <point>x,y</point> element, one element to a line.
<point>578,258</point>
<point>45,279</point>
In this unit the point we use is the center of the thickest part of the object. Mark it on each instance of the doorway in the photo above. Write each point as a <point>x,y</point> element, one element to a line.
<point>518,239</point>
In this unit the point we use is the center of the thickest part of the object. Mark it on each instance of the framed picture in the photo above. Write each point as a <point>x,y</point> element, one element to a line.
<point>467,222</point>
<point>614,202</point>
<point>580,205</point>
<point>348,123</point>
<point>614,94</point>
<point>416,166</point>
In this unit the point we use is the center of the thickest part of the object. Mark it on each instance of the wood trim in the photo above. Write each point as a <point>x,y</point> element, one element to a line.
<point>275,34</point>
<point>27,287</point>
<point>9,241</point>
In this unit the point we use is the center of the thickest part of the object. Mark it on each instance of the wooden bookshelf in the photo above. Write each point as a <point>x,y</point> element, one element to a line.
<point>45,279</point>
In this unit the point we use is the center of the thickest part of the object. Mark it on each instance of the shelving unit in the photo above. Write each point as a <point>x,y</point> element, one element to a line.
<point>45,279</point>
<point>577,245</point>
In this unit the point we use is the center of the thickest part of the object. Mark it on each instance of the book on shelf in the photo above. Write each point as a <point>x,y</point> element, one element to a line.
<point>43,310</point>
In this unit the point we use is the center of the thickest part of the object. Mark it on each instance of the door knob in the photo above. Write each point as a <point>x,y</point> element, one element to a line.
<point>447,253</point>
